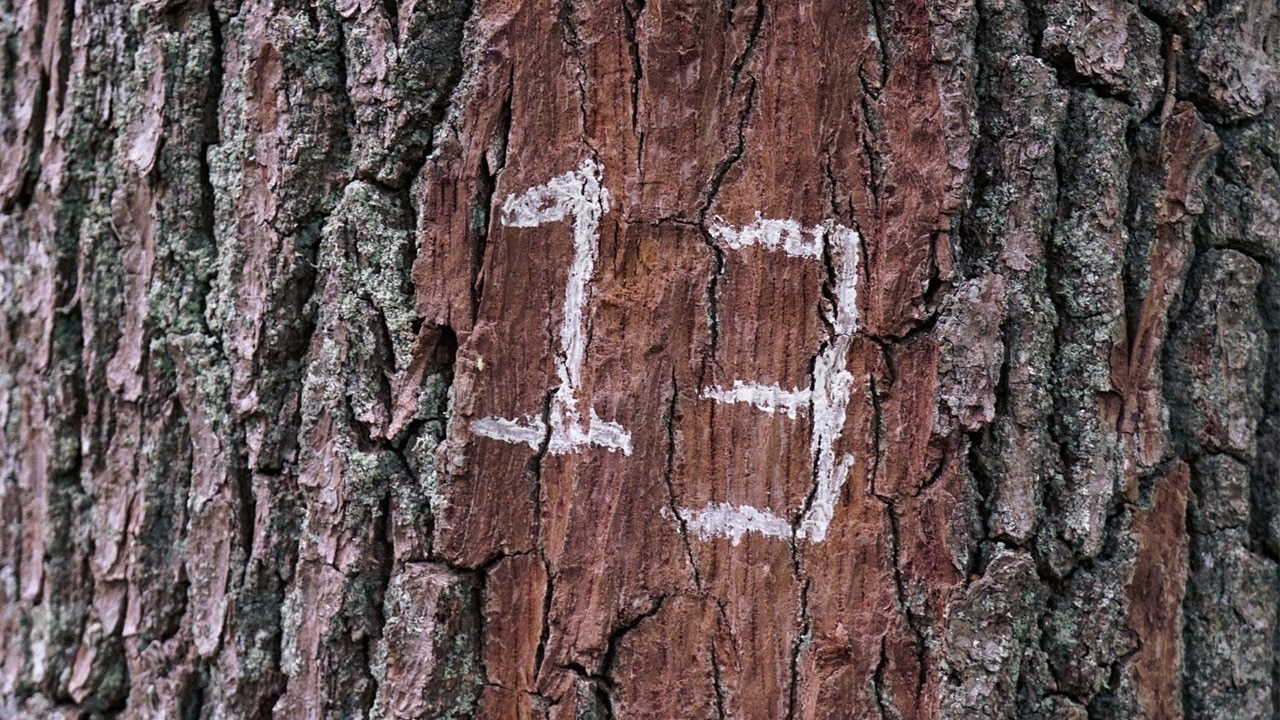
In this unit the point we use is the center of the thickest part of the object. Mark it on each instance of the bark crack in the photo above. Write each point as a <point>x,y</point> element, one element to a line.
<point>713,190</point>
<point>482,204</point>
<point>633,46</point>
<point>569,30</point>
<point>717,683</point>
<point>884,703</point>
<point>669,479</point>
<point>797,648</point>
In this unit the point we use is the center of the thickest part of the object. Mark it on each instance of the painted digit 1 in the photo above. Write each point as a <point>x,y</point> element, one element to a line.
<point>579,196</point>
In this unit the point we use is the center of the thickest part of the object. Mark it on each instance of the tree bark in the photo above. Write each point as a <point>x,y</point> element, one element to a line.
<point>503,359</point>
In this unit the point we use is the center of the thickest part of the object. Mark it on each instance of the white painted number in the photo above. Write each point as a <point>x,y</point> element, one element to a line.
<point>581,196</point>
<point>827,401</point>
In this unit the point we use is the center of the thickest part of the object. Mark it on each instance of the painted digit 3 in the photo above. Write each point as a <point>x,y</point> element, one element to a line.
<point>827,401</point>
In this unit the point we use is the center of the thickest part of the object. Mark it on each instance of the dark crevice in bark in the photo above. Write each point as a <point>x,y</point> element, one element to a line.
<point>277,684</point>
<point>918,626</point>
<point>480,207</point>
<point>1062,63</point>
<point>535,463</point>
<point>608,663</point>
<point>798,646</point>
<point>482,204</point>
<point>749,47</point>
<point>392,10</point>
<point>211,136</point>
<point>873,132</point>
<point>833,200</point>
<point>565,15</point>
<point>718,175</point>
<point>66,47</point>
<point>1108,703</point>
<point>601,690</point>
<point>883,693</point>
<point>884,701</point>
<point>668,478</point>
<point>982,443</point>
<point>545,627</point>
<point>877,420</point>
<point>629,17</point>
<point>31,178</point>
<point>384,552</point>
<point>35,129</point>
<point>544,633</point>
<point>292,352</point>
<point>384,186</point>
<point>604,683</point>
<point>313,18</point>
<point>735,153</point>
<point>717,685</point>
<point>1264,488</point>
<point>830,279</point>
<point>939,470</point>
<point>480,675</point>
<point>712,299</point>
<point>192,706</point>
<point>881,10</point>
<point>339,60</point>
<point>1174,43</point>
<point>246,513</point>
<point>921,329</point>
<point>936,286</point>
<point>872,138</point>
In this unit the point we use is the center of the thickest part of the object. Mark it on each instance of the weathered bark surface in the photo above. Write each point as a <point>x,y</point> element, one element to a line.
<point>503,359</point>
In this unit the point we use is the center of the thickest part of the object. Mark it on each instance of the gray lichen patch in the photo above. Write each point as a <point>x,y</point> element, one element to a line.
<point>1086,265</point>
<point>1216,358</point>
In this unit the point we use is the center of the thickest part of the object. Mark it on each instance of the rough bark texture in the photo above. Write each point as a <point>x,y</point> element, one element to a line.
<point>648,359</point>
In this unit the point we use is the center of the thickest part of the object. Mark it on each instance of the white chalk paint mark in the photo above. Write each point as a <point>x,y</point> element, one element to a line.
<point>582,196</point>
<point>768,398</point>
<point>529,431</point>
<point>827,400</point>
<point>786,236</point>
<point>735,521</point>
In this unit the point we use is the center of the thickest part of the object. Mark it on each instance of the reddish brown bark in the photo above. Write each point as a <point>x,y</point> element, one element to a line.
<point>508,359</point>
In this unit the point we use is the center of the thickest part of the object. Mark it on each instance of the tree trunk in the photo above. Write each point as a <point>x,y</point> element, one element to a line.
<point>753,360</point>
